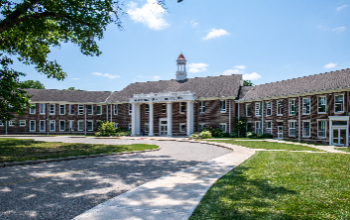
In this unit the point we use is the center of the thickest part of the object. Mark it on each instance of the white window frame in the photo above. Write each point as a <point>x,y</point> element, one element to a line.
<point>129,126</point>
<point>79,109</point>
<point>40,127</point>
<point>292,126</point>
<point>92,109</point>
<point>223,124</point>
<point>32,110</point>
<point>52,111</point>
<point>258,127</point>
<point>146,127</point>
<point>269,129</point>
<point>246,110</point>
<point>319,105</point>
<point>92,125</point>
<point>325,129</point>
<point>22,125</point>
<point>64,127</point>
<point>70,109</point>
<point>307,121</point>
<point>54,125</point>
<point>268,107</point>
<point>114,125</point>
<point>258,109</point>
<point>71,125</point>
<point>201,126</point>
<point>42,108</point>
<point>12,123</point>
<point>336,103</point>
<point>182,124</point>
<point>304,108</point>
<point>130,109</point>
<point>79,125</point>
<point>64,109</point>
<point>164,108</point>
<point>30,126</point>
<point>201,107</point>
<point>146,108</point>
<point>248,122</point>
<point>279,107</point>
<point>223,104</point>
<point>290,104</point>
<point>97,112</point>
<point>1,124</point>
<point>181,105</point>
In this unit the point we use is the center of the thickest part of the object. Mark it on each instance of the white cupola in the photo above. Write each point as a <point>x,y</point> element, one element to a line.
<point>181,74</point>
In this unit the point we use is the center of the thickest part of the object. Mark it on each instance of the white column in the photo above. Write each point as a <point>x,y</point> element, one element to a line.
<point>170,119</point>
<point>190,118</point>
<point>133,119</point>
<point>138,121</point>
<point>150,120</point>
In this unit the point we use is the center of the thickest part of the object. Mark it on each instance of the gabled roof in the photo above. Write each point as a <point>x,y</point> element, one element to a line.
<point>244,90</point>
<point>67,95</point>
<point>318,82</point>
<point>203,87</point>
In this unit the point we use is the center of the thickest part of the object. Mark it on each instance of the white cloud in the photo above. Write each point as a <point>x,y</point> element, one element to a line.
<point>214,33</point>
<point>241,67</point>
<point>232,71</point>
<point>338,30</point>
<point>97,74</point>
<point>156,77</point>
<point>110,76</point>
<point>150,14</point>
<point>330,65</point>
<point>197,67</point>
<point>342,7</point>
<point>75,78</point>
<point>251,76</point>
<point>194,23</point>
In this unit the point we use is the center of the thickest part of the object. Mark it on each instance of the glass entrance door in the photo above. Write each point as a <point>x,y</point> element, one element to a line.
<point>339,136</point>
<point>280,132</point>
<point>163,127</point>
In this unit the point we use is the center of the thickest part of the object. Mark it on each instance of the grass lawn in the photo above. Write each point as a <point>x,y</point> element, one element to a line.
<point>26,149</point>
<point>281,185</point>
<point>343,149</point>
<point>267,145</point>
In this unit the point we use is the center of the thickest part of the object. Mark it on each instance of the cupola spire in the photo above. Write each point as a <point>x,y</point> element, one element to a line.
<point>181,74</point>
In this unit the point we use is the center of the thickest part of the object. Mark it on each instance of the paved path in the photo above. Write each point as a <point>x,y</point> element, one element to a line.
<point>63,190</point>
<point>171,197</point>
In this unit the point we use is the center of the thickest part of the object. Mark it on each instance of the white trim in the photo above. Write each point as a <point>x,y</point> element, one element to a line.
<point>42,130</point>
<point>290,128</point>
<point>97,109</point>
<point>246,110</point>
<point>92,125</point>
<point>42,107</point>
<point>289,106</point>
<point>225,124</point>
<point>79,125</point>
<point>318,107</point>
<point>12,123</point>
<point>269,108</point>
<point>146,125</point>
<point>59,125</point>
<point>303,112</point>
<point>54,125</point>
<point>201,107</point>
<point>115,109</point>
<point>34,109</point>
<point>292,120</point>
<point>184,112</point>
<point>182,131</point>
<point>223,110</point>
<point>83,110</point>
<point>71,125</point>
<point>92,109</point>
<point>70,109</point>
<point>325,129</point>
<point>277,107</point>
<point>339,94</point>
<point>255,127</point>
<point>258,109</point>
<point>54,109</point>
<point>30,125</point>
<point>64,109</point>
<point>307,121</point>
<point>24,123</point>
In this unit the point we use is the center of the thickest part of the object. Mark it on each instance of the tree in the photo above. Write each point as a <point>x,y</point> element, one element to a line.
<point>28,30</point>
<point>247,83</point>
<point>31,84</point>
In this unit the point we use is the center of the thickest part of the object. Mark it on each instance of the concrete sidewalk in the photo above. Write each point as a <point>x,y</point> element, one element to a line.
<point>170,197</point>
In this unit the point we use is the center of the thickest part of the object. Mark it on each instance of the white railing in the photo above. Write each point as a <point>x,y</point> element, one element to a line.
<point>166,94</point>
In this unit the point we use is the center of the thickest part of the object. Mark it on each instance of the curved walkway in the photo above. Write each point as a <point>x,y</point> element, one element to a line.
<point>63,190</point>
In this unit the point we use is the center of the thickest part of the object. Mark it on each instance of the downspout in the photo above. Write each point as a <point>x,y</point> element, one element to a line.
<point>106,112</point>
<point>238,114</point>
<point>299,120</point>
<point>85,118</point>
<point>229,117</point>
<point>111,112</point>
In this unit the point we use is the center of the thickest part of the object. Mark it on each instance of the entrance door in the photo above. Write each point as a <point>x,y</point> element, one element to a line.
<point>339,136</point>
<point>280,132</point>
<point>163,127</point>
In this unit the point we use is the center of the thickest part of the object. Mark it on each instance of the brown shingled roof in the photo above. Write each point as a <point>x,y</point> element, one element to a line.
<point>67,95</point>
<point>203,87</point>
<point>323,81</point>
<point>244,90</point>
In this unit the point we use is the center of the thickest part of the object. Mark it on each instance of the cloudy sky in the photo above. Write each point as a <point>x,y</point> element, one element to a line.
<point>266,41</point>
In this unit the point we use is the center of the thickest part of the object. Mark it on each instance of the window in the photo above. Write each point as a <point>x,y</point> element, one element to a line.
<point>52,125</point>
<point>71,109</point>
<point>292,108</point>
<point>258,109</point>
<point>164,108</point>
<point>42,108</point>
<point>340,123</point>
<point>12,123</point>
<point>1,124</point>
<point>129,126</point>
<point>339,103</point>
<point>223,106</point>
<point>268,109</point>
<point>322,104</point>
<point>146,127</point>
<point>248,108</point>
<point>62,125</point>
<point>31,125</point>
<point>99,110</point>
<point>201,107</point>
<point>249,126</point>
<point>130,108</point>
<point>71,125</point>
<point>22,123</point>
<point>81,126</point>
<point>81,109</point>
<point>321,129</point>
<point>306,129</point>
<point>279,107</point>
<point>258,127</point>
<point>52,109</point>
<point>201,126</point>
<point>114,125</point>
<point>62,109</point>
<point>182,127</point>
<point>223,127</point>
<point>146,108</point>
<point>115,109</point>
<point>292,129</point>
<point>42,126</point>
<point>182,107</point>
<point>90,125</point>
<point>269,127</point>
<point>90,109</point>
<point>306,106</point>
<point>32,109</point>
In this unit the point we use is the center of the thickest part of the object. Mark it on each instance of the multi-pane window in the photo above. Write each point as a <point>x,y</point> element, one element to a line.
<point>258,127</point>
<point>223,127</point>
<point>129,126</point>
<point>32,109</point>
<point>99,110</point>
<point>114,125</point>
<point>279,107</point>
<point>164,108</point>
<point>1,124</point>
<point>223,106</point>
<point>339,103</point>
<point>268,109</point>
<point>90,109</point>
<point>146,127</point>
<point>269,127</point>
<point>71,125</point>
<point>52,109</point>
<point>146,108</point>
<point>42,126</point>
<point>42,108</point>
<point>130,108</point>
<point>115,109</point>
<point>201,107</point>
<point>321,129</point>
<point>90,125</point>
<point>292,107</point>
<point>32,126</point>
<point>182,127</point>
<point>201,127</point>
<point>249,126</point>
<point>182,107</point>
<point>81,109</point>
<point>306,106</point>
<point>62,109</point>
<point>71,109</point>
<point>12,123</point>
<point>306,129</point>
<point>258,109</point>
<point>292,129</point>
<point>52,125</point>
<point>322,104</point>
<point>62,125</point>
<point>248,108</point>
<point>22,123</point>
<point>81,126</point>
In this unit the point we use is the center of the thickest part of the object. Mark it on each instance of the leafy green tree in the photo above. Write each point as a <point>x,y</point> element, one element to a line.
<point>247,83</point>
<point>31,84</point>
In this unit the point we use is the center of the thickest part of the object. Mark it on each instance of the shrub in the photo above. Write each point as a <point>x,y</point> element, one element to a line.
<point>249,134</point>
<point>267,136</point>
<point>234,134</point>
<point>205,134</point>
<point>195,135</point>
<point>105,129</point>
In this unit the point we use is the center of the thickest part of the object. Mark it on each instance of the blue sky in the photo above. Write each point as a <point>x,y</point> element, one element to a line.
<point>266,41</point>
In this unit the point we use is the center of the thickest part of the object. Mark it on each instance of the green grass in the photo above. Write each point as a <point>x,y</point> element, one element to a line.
<point>26,149</point>
<point>267,145</point>
<point>281,185</point>
<point>347,150</point>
